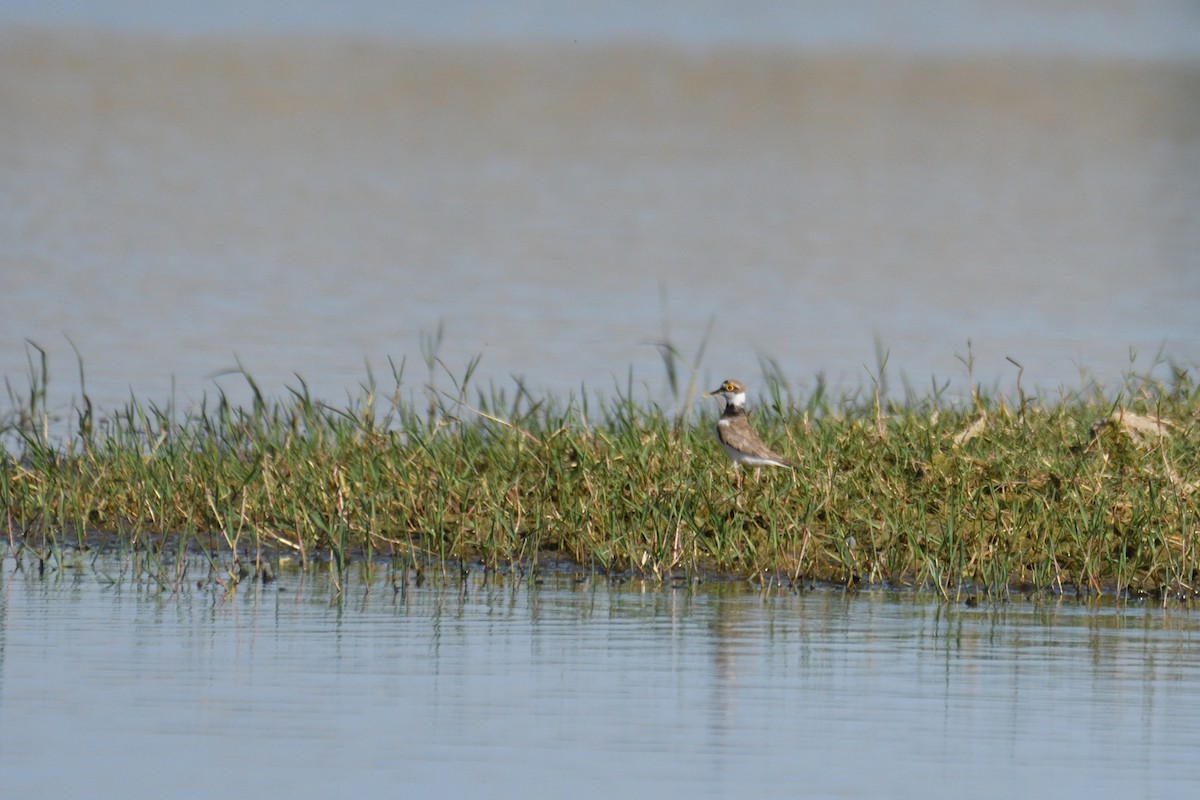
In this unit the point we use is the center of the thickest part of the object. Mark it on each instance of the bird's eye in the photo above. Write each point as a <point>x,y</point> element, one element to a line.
<point>729,386</point>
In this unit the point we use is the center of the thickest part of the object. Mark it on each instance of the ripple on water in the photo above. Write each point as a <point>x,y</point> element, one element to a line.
<point>593,689</point>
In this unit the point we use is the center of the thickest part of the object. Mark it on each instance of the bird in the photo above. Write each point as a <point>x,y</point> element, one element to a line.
<point>737,438</point>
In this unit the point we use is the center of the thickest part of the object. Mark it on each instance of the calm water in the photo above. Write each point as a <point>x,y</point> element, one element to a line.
<point>185,185</point>
<point>110,687</point>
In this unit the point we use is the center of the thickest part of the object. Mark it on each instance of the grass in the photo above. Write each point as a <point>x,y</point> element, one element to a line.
<point>1089,492</point>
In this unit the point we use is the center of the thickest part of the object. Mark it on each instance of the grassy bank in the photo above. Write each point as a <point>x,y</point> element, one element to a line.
<point>1092,492</point>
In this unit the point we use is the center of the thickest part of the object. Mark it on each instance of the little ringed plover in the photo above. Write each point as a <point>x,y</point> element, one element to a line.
<point>737,438</point>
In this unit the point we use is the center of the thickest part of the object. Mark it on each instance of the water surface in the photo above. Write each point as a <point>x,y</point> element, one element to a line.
<point>184,188</point>
<point>113,686</point>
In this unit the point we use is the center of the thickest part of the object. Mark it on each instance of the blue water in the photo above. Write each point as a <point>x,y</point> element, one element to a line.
<point>1146,28</point>
<point>113,686</point>
<point>971,192</point>
<point>303,187</point>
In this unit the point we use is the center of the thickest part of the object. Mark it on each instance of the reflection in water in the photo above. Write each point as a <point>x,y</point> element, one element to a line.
<point>513,689</point>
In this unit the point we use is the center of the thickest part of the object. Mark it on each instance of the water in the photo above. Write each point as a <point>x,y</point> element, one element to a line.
<point>183,188</point>
<point>110,687</point>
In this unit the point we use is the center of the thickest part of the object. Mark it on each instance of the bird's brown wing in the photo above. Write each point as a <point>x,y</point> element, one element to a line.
<point>738,434</point>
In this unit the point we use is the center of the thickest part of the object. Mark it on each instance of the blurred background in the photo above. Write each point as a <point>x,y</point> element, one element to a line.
<point>306,188</point>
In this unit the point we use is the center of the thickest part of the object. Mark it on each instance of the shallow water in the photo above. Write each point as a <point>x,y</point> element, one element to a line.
<point>112,686</point>
<point>182,189</point>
